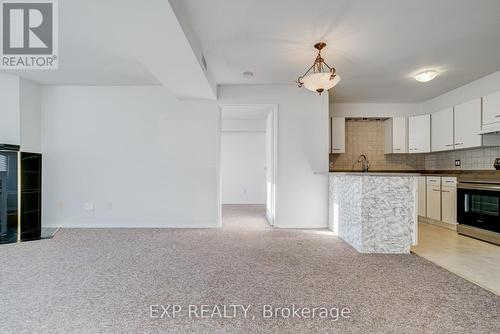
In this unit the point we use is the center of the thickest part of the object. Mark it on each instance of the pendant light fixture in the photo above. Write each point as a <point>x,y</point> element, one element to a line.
<point>320,76</point>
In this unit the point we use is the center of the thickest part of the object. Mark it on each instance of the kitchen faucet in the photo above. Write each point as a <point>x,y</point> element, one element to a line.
<point>365,164</point>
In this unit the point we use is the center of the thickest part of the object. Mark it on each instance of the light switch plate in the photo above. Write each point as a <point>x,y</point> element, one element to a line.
<point>89,206</point>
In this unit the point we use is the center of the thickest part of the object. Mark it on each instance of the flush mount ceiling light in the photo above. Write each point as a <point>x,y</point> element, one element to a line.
<point>426,76</point>
<point>320,76</point>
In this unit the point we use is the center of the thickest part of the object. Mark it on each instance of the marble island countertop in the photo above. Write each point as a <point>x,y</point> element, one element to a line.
<point>374,212</point>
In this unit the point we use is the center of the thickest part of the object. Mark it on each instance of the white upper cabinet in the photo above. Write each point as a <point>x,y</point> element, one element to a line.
<point>337,135</point>
<point>396,135</point>
<point>468,124</point>
<point>442,130</point>
<point>419,134</point>
<point>491,109</point>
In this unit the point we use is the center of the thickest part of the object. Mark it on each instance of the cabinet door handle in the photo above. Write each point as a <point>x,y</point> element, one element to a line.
<point>397,149</point>
<point>459,143</point>
<point>449,145</point>
<point>435,190</point>
<point>497,115</point>
<point>445,191</point>
<point>336,149</point>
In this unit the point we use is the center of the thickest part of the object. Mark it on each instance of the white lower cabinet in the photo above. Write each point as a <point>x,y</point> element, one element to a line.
<point>449,200</point>
<point>434,197</point>
<point>421,196</point>
<point>441,199</point>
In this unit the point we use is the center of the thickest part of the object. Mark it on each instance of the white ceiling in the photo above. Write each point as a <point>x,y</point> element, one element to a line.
<point>124,42</point>
<point>91,51</point>
<point>375,45</point>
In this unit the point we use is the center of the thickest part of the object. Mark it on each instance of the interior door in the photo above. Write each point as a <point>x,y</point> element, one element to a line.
<point>271,166</point>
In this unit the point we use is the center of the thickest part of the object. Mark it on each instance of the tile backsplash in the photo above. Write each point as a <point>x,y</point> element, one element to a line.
<point>479,158</point>
<point>367,137</point>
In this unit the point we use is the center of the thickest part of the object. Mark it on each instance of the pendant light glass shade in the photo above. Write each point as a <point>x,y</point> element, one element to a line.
<point>320,81</point>
<point>320,76</point>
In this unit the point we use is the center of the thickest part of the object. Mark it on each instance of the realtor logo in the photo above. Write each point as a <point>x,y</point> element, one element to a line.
<point>29,34</point>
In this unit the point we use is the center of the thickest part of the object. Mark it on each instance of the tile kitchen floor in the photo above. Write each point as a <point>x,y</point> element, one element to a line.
<point>472,259</point>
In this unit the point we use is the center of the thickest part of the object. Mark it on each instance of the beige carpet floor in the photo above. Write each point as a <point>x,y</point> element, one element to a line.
<point>237,217</point>
<point>105,281</point>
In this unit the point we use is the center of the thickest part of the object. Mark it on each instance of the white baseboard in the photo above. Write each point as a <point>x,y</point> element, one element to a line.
<point>442,224</point>
<point>151,225</point>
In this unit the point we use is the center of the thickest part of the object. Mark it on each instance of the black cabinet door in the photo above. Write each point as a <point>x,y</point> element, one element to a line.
<point>8,197</point>
<point>31,196</point>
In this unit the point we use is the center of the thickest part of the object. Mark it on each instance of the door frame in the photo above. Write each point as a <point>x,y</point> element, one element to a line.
<point>271,213</point>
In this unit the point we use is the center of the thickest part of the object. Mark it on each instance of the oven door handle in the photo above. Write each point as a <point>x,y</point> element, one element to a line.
<point>478,186</point>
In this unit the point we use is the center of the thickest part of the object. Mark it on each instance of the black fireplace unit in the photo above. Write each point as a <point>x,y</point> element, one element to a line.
<point>20,195</point>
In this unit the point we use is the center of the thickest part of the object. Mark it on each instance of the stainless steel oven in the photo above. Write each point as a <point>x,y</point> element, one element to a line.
<point>478,209</point>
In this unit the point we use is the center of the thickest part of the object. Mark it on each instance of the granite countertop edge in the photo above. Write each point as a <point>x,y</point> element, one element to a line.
<point>465,174</point>
<point>354,173</point>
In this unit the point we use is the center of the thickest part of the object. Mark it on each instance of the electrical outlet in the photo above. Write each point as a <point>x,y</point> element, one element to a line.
<point>457,163</point>
<point>89,206</point>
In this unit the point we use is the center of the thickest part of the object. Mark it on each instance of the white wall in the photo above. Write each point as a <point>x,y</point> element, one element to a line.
<point>302,195</point>
<point>143,158</point>
<point>375,109</point>
<point>243,162</point>
<point>481,87</point>
<point>258,125</point>
<point>30,117</point>
<point>9,109</point>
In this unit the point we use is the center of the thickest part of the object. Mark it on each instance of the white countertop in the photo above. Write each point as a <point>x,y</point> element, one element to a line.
<point>374,174</point>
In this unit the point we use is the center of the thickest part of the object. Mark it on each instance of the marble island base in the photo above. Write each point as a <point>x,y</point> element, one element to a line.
<point>374,213</point>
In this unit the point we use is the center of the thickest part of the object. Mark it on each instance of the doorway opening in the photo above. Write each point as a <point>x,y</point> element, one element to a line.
<point>248,153</point>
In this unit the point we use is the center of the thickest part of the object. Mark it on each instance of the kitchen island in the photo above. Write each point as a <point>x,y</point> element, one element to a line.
<point>374,212</point>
